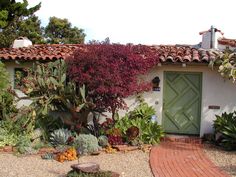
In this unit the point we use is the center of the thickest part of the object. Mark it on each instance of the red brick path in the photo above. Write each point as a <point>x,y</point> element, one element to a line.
<point>182,159</point>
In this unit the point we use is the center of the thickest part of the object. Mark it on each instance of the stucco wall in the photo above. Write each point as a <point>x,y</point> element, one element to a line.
<point>215,91</point>
<point>223,47</point>
<point>10,66</point>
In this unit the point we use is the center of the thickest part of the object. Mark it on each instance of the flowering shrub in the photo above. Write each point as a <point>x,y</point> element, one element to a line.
<point>110,72</point>
<point>106,125</point>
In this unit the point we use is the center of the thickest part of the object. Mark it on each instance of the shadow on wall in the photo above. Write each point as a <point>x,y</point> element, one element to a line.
<point>149,97</point>
<point>208,116</point>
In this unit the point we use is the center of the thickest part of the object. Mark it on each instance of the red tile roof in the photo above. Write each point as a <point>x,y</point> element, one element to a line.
<point>228,42</point>
<point>185,54</point>
<point>167,53</point>
<point>38,52</point>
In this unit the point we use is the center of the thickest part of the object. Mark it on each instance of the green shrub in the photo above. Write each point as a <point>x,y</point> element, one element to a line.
<point>3,77</point>
<point>6,137</point>
<point>142,111</point>
<point>225,126</point>
<point>150,133</point>
<point>7,106</point>
<point>23,145</point>
<point>140,117</point>
<point>13,128</point>
<point>86,144</point>
<point>6,97</point>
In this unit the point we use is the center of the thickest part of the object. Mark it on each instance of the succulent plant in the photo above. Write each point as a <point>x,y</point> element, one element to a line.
<point>60,137</point>
<point>132,133</point>
<point>86,144</point>
<point>115,140</point>
<point>47,156</point>
<point>103,141</point>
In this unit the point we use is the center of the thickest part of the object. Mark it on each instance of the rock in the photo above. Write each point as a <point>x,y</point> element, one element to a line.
<point>114,174</point>
<point>125,147</point>
<point>89,167</point>
<point>95,153</point>
<point>7,149</point>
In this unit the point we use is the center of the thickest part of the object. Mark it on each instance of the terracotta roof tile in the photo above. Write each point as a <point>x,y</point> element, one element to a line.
<point>167,53</point>
<point>228,42</point>
<point>38,52</point>
<point>170,53</point>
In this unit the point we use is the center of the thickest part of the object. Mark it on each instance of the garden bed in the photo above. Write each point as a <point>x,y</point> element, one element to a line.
<point>130,164</point>
<point>226,160</point>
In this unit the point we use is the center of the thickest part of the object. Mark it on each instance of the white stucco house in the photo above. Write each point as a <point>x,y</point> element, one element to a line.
<point>190,93</point>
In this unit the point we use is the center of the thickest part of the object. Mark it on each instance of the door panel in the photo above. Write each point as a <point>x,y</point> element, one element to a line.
<point>182,102</point>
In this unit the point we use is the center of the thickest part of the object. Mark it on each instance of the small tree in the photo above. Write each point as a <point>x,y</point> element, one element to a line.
<point>17,19</point>
<point>61,31</point>
<point>10,11</point>
<point>110,72</point>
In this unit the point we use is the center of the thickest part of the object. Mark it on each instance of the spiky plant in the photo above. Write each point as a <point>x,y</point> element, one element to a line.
<point>60,137</point>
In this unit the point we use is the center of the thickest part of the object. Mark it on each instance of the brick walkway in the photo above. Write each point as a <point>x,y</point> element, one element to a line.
<point>182,159</point>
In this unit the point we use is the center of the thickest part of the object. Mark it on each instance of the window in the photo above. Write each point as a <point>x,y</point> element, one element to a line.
<point>19,75</point>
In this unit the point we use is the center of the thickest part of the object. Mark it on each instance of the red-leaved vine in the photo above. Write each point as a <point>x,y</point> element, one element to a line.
<point>110,72</point>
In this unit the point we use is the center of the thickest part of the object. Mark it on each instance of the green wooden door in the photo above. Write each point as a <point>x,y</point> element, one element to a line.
<point>182,102</point>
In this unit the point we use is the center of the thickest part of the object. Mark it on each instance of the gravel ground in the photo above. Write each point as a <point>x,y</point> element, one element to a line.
<point>131,164</point>
<point>226,160</point>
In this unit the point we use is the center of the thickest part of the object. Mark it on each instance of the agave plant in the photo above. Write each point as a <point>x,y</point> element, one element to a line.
<point>60,137</point>
<point>225,125</point>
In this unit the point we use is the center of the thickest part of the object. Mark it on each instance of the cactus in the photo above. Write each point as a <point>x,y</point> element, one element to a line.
<point>86,144</point>
<point>103,141</point>
<point>60,137</point>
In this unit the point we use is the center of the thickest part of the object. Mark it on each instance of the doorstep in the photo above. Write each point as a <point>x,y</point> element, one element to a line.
<point>182,138</point>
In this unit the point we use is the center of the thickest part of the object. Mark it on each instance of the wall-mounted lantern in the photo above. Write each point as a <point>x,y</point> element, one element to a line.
<point>156,83</point>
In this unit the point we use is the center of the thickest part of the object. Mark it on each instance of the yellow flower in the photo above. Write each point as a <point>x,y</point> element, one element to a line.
<point>34,113</point>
